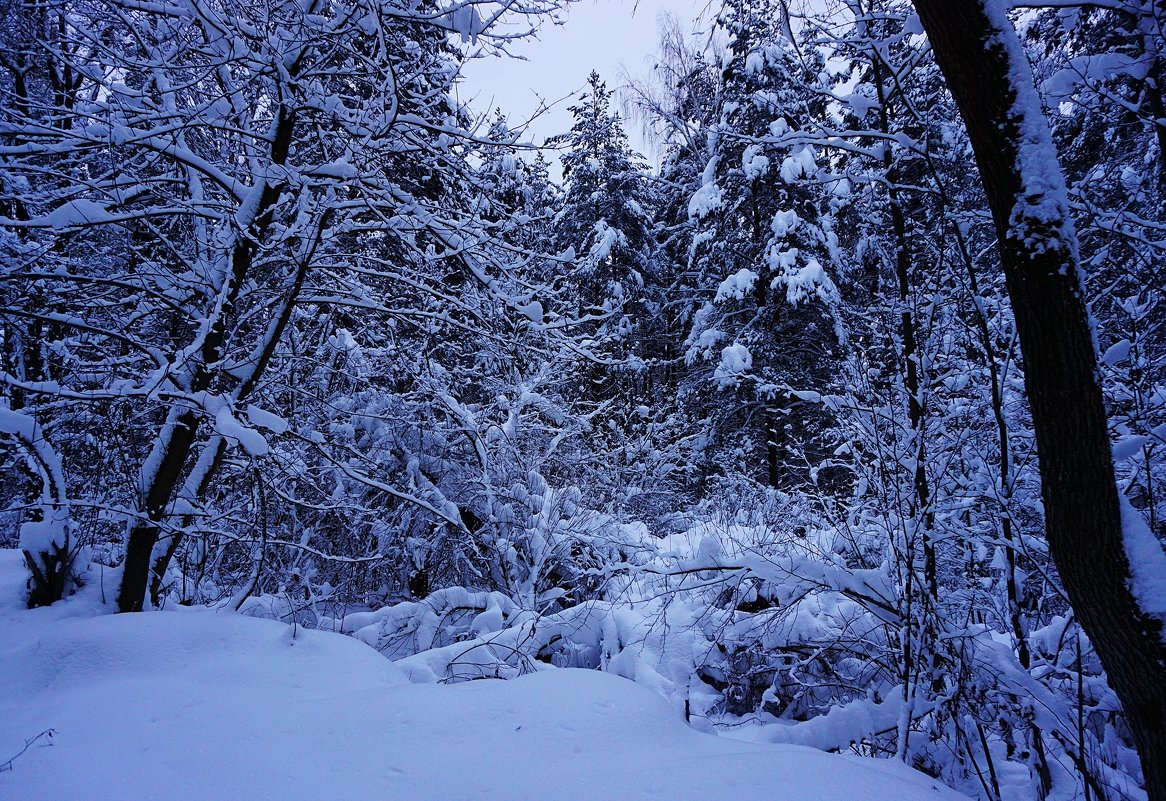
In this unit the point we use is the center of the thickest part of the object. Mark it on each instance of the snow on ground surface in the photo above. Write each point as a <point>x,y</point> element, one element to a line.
<point>196,704</point>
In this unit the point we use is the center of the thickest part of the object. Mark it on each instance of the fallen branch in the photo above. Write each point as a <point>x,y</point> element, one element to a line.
<point>47,734</point>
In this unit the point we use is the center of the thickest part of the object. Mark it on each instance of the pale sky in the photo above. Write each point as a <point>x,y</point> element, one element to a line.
<point>611,36</point>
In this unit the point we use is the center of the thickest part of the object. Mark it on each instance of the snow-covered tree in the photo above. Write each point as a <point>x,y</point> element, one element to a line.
<point>605,213</point>
<point>211,177</point>
<point>1106,557</point>
<point>750,235</point>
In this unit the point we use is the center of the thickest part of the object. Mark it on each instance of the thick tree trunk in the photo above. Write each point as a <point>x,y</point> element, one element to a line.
<point>979,53</point>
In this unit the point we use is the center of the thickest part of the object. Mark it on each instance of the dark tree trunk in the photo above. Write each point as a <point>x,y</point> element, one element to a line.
<point>174,448</point>
<point>135,580</point>
<point>986,73</point>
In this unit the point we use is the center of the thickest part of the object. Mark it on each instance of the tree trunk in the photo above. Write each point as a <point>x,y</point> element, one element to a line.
<point>980,55</point>
<point>169,459</point>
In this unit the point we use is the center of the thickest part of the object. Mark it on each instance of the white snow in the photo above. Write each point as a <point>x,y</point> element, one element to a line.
<point>18,425</point>
<point>606,240</point>
<point>836,726</point>
<point>705,200</point>
<point>1093,69</point>
<point>798,164</point>
<point>335,169</point>
<point>1116,352</point>
<point>860,102</point>
<point>465,21</point>
<point>77,213</point>
<point>265,419</point>
<point>1147,562</point>
<point>801,283</point>
<point>1040,218</point>
<point>736,286</point>
<point>783,223</point>
<point>533,311</point>
<point>197,704</point>
<point>754,163</point>
<point>41,536</point>
<point>1129,447</point>
<point>710,337</point>
<point>735,362</point>
<point>251,440</point>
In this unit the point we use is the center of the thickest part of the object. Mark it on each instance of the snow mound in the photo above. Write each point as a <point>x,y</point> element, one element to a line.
<point>196,704</point>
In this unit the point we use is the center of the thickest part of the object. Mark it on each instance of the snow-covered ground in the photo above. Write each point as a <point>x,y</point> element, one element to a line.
<point>195,704</point>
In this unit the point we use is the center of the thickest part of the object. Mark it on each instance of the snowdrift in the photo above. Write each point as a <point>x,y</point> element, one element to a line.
<point>195,704</point>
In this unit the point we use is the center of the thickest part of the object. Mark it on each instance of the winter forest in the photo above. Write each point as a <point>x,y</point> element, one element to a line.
<point>838,426</point>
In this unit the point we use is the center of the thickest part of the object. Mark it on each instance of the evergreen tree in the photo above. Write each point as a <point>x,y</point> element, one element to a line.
<point>758,250</point>
<point>604,229</point>
<point>606,212</point>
